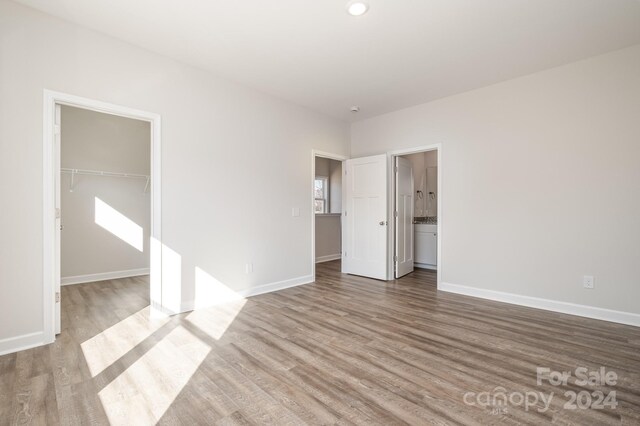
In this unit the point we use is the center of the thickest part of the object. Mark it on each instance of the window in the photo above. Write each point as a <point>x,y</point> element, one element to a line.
<point>320,192</point>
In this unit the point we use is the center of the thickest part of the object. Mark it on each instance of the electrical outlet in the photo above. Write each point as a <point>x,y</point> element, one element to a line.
<point>587,281</point>
<point>248,268</point>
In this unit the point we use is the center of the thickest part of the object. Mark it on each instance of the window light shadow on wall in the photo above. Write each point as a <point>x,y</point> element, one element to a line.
<point>118,224</point>
<point>171,280</point>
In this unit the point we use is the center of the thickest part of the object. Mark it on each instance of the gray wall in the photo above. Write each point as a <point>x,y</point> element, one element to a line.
<point>335,185</point>
<point>328,227</point>
<point>425,182</point>
<point>213,132</point>
<point>331,169</point>
<point>328,237</point>
<point>95,141</point>
<point>419,182</point>
<point>540,180</point>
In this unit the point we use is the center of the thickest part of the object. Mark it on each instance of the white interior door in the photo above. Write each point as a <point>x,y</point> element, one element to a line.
<point>404,217</point>
<point>365,217</point>
<point>58,221</point>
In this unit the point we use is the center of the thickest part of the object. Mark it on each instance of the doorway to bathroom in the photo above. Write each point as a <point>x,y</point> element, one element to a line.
<point>326,204</point>
<point>414,211</point>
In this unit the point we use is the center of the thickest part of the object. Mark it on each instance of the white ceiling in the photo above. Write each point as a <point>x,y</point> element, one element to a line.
<point>401,53</point>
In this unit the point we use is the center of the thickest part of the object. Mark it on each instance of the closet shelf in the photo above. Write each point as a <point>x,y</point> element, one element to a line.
<point>85,172</point>
<point>103,173</point>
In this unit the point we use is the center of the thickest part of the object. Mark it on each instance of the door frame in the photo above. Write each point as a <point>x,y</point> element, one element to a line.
<point>50,176</point>
<point>391,205</point>
<point>317,153</point>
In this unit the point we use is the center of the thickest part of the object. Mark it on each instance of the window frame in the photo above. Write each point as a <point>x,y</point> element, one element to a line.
<point>325,192</point>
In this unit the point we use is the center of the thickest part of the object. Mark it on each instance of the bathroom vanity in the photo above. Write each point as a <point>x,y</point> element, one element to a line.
<point>426,245</point>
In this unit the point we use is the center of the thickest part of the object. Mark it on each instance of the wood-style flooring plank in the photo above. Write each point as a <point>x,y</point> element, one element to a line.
<point>345,350</point>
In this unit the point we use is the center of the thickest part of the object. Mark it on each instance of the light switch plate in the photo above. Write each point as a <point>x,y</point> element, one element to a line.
<point>295,211</point>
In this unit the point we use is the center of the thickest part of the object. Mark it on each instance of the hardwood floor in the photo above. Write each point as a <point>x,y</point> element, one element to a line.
<point>344,350</point>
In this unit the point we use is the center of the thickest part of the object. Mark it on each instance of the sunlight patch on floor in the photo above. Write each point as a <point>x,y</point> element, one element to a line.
<point>215,320</point>
<point>212,292</point>
<point>103,349</point>
<point>217,305</point>
<point>144,392</point>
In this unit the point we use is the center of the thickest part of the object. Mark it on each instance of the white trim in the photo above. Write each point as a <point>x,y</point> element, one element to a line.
<point>545,304</point>
<point>20,343</point>
<point>316,153</point>
<point>90,278</point>
<point>48,220</point>
<point>391,202</point>
<point>255,291</point>
<point>328,258</point>
<point>277,286</point>
<point>50,100</point>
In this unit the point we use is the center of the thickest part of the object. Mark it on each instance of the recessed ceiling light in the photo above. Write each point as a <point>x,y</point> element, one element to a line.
<point>357,8</point>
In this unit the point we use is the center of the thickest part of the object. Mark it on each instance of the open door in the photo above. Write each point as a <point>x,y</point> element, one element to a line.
<point>364,237</point>
<point>58,221</point>
<point>403,217</point>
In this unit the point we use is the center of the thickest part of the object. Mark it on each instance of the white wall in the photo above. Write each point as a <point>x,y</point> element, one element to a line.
<point>540,180</point>
<point>96,141</point>
<point>223,204</point>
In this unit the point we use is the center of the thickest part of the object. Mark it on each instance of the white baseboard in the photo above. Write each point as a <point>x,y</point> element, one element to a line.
<point>328,258</point>
<point>278,285</point>
<point>425,266</point>
<point>28,341</point>
<point>81,279</point>
<point>593,312</point>
<point>20,343</point>
<point>253,291</point>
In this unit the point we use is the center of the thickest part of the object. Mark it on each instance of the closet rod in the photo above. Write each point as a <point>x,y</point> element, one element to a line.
<point>103,173</point>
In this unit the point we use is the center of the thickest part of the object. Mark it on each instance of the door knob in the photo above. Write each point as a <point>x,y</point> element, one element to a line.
<point>383,222</point>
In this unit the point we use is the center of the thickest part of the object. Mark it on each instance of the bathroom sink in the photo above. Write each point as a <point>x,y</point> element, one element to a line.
<point>426,220</point>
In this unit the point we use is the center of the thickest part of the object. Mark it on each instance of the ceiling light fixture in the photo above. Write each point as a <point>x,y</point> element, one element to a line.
<point>355,108</point>
<point>357,8</point>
